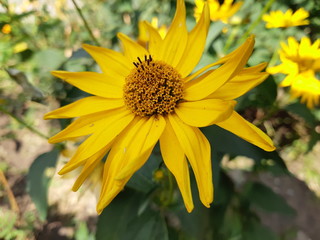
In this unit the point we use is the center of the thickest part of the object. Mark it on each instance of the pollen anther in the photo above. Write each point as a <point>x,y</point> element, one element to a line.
<point>152,88</point>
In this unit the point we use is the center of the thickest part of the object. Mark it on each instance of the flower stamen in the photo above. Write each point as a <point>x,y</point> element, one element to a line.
<point>152,88</point>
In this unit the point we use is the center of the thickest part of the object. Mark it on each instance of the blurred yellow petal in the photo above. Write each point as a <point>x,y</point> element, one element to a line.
<point>278,19</point>
<point>300,62</point>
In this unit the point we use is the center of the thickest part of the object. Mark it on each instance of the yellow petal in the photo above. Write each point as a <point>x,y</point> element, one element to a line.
<point>204,112</point>
<point>118,157</point>
<point>242,128</point>
<point>176,162</point>
<point>88,168</point>
<point>109,61</point>
<point>239,85</point>
<point>85,106</point>
<point>199,90</point>
<point>155,40</point>
<point>94,83</point>
<point>86,125</point>
<point>195,45</point>
<point>224,59</point>
<point>176,39</point>
<point>132,50</point>
<point>197,149</point>
<point>99,139</point>
<point>141,142</point>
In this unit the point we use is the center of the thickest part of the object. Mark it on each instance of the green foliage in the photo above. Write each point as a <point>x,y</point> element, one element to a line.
<point>38,180</point>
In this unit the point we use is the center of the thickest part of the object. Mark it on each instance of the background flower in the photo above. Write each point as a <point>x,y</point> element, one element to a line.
<point>300,62</point>
<point>218,11</point>
<point>277,19</point>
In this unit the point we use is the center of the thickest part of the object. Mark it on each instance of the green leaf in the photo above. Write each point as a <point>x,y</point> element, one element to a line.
<point>254,230</point>
<point>149,226</point>
<point>38,181</point>
<point>121,220</point>
<point>115,218</point>
<point>49,59</point>
<point>265,198</point>
<point>262,96</point>
<point>214,31</point>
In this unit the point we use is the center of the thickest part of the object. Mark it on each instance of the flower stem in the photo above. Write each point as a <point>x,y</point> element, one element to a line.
<point>231,39</point>
<point>85,23</point>
<point>22,122</point>
<point>256,22</point>
<point>12,200</point>
<point>170,190</point>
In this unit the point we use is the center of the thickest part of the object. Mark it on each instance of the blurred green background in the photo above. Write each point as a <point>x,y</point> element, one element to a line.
<point>258,195</point>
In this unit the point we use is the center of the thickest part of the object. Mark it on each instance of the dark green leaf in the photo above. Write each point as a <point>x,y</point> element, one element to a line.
<point>114,220</point>
<point>254,230</point>
<point>262,96</point>
<point>38,181</point>
<point>149,226</point>
<point>121,220</point>
<point>265,198</point>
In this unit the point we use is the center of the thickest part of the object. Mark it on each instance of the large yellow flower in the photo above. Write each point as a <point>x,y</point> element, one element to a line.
<point>146,95</point>
<point>300,62</point>
<point>218,11</point>
<point>278,19</point>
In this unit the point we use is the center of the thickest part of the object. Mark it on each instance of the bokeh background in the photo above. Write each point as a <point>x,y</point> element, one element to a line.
<point>258,195</point>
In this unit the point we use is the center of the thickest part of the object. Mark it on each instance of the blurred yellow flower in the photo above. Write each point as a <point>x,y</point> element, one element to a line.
<point>148,94</point>
<point>300,62</point>
<point>158,175</point>
<point>218,11</point>
<point>143,31</point>
<point>6,29</point>
<point>278,19</point>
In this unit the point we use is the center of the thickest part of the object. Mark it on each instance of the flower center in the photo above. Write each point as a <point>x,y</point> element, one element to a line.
<point>152,88</point>
<point>305,64</point>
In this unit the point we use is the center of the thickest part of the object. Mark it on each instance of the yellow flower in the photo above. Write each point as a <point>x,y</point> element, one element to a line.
<point>278,19</point>
<point>143,31</point>
<point>217,12</point>
<point>146,95</point>
<point>300,62</point>
<point>6,29</point>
